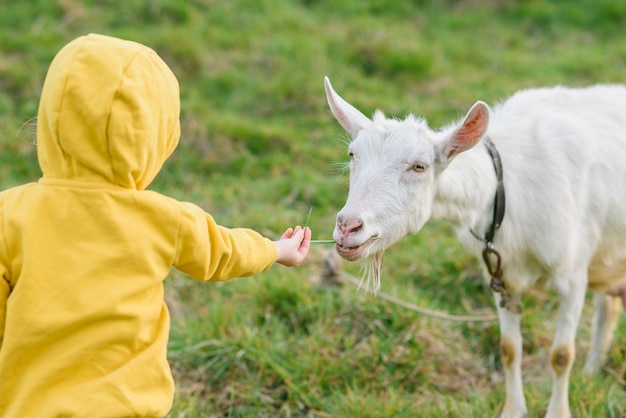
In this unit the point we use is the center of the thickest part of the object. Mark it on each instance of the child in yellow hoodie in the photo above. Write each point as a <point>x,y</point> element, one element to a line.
<point>85,250</point>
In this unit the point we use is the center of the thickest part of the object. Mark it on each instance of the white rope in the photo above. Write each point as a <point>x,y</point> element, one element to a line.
<point>425,311</point>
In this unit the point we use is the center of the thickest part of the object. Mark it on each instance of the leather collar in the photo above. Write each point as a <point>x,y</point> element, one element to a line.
<point>499,202</point>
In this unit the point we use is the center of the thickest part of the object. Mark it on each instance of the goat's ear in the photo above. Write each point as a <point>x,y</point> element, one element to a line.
<point>469,132</point>
<point>347,115</point>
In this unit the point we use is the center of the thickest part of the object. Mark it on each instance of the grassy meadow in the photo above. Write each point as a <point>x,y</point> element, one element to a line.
<point>259,148</point>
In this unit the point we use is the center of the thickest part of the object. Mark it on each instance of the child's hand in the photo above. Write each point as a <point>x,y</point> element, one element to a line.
<point>293,246</point>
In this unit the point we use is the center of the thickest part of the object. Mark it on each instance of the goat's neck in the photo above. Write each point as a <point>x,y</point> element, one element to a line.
<point>465,190</point>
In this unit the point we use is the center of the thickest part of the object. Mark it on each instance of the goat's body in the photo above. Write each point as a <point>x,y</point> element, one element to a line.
<point>563,154</point>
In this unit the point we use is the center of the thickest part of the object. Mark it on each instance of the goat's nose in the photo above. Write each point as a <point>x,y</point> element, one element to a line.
<point>349,225</point>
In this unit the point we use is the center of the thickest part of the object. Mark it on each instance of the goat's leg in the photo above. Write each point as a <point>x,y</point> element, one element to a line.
<point>562,353</point>
<point>511,355</point>
<point>605,316</point>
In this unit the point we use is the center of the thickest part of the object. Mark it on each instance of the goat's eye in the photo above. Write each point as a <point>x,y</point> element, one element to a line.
<point>351,155</point>
<point>418,167</point>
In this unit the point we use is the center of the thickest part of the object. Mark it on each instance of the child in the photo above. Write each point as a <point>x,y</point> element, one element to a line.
<point>85,250</point>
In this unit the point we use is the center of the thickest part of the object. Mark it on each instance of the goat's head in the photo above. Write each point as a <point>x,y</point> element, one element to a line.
<point>393,173</point>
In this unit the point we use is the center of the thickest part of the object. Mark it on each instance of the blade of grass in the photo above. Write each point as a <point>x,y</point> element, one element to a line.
<point>308,217</point>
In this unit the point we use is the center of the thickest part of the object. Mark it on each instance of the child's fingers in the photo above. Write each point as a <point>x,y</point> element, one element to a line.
<point>300,234</point>
<point>287,234</point>
<point>306,241</point>
<point>296,233</point>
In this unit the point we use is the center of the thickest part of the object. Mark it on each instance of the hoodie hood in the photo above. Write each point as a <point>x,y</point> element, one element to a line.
<point>109,112</point>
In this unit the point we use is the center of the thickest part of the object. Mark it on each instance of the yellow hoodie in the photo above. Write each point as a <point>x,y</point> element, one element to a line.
<point>84,251</point>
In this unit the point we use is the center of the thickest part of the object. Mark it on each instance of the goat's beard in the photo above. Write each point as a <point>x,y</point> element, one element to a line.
<point>372,269</point>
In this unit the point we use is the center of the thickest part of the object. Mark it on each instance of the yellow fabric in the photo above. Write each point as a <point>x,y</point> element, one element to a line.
<point>84,251</point>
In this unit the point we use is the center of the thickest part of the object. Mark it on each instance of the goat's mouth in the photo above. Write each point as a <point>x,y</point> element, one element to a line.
<point>352,253</point>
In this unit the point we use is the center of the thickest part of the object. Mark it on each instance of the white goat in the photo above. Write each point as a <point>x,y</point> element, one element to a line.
<point>563,154</point>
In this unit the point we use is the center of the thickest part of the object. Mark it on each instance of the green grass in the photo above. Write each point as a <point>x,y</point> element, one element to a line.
<point>259,148</point>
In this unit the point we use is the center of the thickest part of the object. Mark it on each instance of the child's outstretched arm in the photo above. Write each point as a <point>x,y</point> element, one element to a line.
<point>293,246</point>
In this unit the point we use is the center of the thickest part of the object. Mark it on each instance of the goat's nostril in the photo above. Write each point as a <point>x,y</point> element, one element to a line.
<point>355,227</point>
<point>349,226</point>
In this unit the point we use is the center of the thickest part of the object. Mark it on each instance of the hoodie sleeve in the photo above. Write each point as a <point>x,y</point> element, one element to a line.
<point>5,287</point>
<point>208,251</point>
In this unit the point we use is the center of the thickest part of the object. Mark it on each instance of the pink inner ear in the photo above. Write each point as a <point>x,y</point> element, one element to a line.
<point>470,132</point>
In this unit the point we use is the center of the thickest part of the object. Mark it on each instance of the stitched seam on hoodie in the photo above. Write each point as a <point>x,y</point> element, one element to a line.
<point>110,113</point>
<point>61,104</point>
